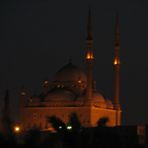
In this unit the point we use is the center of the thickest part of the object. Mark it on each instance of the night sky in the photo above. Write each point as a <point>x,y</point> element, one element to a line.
<point>37,37</point>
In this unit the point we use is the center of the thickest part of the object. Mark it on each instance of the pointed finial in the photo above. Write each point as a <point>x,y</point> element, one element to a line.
<point>70,60</point>
<point>117,40</point>
<point>89,26</point>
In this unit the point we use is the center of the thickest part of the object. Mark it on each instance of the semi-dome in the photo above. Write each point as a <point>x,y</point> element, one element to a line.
<point>60,94</point>
<point>70,73</point>
<point>109,104</point>
<point>99,100</point>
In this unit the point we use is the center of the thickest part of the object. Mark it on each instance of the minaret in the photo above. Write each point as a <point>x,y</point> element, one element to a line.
<point>6,119</point>
<point>89,59</point>
<point>117,72</point>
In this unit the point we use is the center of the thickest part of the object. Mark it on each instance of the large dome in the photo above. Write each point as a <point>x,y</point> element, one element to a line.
<point>70,73</point>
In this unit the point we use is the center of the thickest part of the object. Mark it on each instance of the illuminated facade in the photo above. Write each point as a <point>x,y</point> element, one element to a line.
<point>73,91</point>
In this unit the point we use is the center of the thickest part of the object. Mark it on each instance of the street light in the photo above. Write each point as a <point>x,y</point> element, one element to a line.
<point>17,129</point>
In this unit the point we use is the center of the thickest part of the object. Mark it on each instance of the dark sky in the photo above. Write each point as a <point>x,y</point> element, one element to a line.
<point>37,37</point>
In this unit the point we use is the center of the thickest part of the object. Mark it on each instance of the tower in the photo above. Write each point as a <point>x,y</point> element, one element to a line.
<point>117,72</point>
<point>89,59</point>
<point>6,119</point>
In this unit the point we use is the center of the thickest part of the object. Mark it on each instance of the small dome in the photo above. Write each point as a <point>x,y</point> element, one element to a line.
<point>99,100</point>
<point>60,94</point>
<point>70,73</point>
<point>109,104</point>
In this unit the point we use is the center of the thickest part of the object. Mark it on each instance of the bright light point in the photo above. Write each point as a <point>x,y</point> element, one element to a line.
<point>89,56</point>
<point>69,127</point>
<point>16,129</point>
<point>23,93</point>
<point>46,82</point>
<point>116,61</point>
<point>60,127</point>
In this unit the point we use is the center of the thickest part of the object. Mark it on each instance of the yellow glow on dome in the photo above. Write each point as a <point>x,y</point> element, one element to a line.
<point>45,82</point>
<point>23,93</point>
<point>79,81</point>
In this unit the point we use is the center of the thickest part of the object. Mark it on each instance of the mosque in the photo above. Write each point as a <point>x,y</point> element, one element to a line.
<point>73,90</point>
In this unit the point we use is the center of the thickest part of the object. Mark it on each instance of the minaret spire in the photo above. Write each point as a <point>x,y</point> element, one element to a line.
<point>117,71</point>
<point>89,39</point>
<point>89,58</point>
<point>89,26</point>
<point>117,32</point>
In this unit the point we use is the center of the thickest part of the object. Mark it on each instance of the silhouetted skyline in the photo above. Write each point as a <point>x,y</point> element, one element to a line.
<point>38,37</point>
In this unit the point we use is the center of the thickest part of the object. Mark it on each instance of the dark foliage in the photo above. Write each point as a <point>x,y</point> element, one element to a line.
<point>74,122</point>
<point>56,123</point>
<point>77,137</point>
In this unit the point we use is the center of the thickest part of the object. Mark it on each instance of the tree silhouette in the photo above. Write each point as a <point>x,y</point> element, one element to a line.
<point>71,138</point>
<point>74,122</point>
<point>32,137</point>
<point>57,123</point>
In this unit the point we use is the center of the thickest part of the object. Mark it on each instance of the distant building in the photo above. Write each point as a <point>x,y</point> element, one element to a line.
<point>73,91</point>
<point>128,136</point>
<point>133,134</point>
